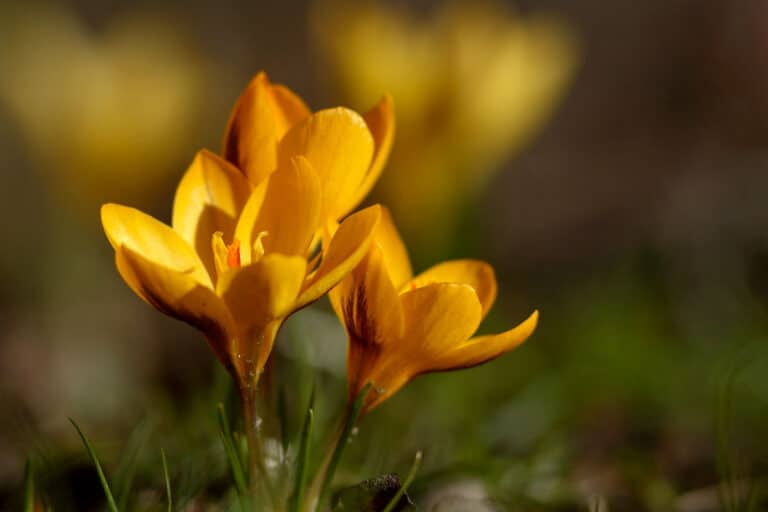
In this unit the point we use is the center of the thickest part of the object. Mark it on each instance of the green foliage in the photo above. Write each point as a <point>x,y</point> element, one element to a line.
<point>102,478</point>
<point>167,478</point>
<point>297,498</point>
<point>236,465</point>
<point>29,486</point>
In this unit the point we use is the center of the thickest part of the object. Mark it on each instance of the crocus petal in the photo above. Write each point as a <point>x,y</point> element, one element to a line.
<point>209,198</point>
<point>262,291</point>
<point>484,348</point>
<point>345,250</point>
<point>381,123</point>
<point>291,211</point>
<point>179,295</point>
<point>393,249</point>
<point>262,115</point>
<point>438,317</point>
<point>386,377</point>
<point>477,274</point>
<point>339,146</point>
<point>245,230</point>
<point>368,303</point>
<point>153,240</point>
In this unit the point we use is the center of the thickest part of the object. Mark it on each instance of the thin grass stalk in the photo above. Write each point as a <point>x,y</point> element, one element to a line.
<point>407,483</point>
<point>339,445</point>
<point>29,486</point>
<point>102,478</point>
<point>167,478</point>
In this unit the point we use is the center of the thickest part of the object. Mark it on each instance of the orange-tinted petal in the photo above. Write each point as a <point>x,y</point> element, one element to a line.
<point>381,123</point>
<point>245,230</point>
<point>393,249</point>
<point>209,198</point>
<point>345,250</point>
<point>262,291</point>
<point>438,317</point>
<point>484,348</point>
<point>291,211</point>
<point>178,294</point>
<point>153,240</point>
<point>477,274</point>
<point>262,115</point>
<point>368,302</point>
<point>339,146</point>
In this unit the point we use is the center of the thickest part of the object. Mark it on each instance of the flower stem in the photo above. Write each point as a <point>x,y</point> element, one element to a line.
<point>324,478</point>
<point>257,471</point>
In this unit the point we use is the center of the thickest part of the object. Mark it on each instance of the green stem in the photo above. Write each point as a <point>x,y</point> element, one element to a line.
<point>340,443</point>
<point>29,487</point>
<point>100,472</point>
<point>404,487</point>
<point>257,470</point>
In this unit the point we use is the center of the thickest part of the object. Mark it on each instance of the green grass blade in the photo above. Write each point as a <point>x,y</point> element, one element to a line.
<point>304,450</point>
<point>404,487</point>
<point>341,444</point>
<point>102,478</point>
<point>29,486</point>
<point>168,495</point>
<point>126,470</point>
<point>235,464</point>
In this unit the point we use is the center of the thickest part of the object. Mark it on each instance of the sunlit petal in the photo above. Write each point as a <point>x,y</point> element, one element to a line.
<point>346,249</point>
<point>393,249</point>
<point>484,348</point>
<point>368,302</point>
<point>381,123</point>
<point>262,115</point>
<point>438,317</point>
<point>291,211</point>
<point>178,294</point>
<point>153,240</point>
<point>477,274</point>
<point>245,230</point>
<point>262,291</point>
<point>208,199</point>
<point>340,148</point>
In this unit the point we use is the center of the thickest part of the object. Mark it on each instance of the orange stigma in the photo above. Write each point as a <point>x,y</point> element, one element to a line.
<point>233,254</point>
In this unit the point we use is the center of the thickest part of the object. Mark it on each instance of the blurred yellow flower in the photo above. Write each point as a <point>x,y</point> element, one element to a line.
<point>473,84</point>
<point>235,261</point>
<point>400,326</point>
<point>270,124</point>
<point>108,116</point>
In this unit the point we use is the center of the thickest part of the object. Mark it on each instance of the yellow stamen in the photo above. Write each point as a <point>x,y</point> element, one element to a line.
<point>258,245</point>
<point>220,252</point>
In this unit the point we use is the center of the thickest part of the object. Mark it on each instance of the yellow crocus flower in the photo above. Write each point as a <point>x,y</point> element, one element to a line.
<point>400,326</point>
<point>235,261</point>
<point>270,124</point>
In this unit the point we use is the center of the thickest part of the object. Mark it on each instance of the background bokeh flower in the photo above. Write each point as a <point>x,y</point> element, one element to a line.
<point>107,114</point>
<point>473,83</point>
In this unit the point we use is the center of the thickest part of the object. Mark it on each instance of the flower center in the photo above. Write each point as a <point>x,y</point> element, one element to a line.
<point>232,256</point>
<point>416,283</point>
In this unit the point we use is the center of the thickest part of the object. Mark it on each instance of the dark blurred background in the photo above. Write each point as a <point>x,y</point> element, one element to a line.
<point>608,158</point>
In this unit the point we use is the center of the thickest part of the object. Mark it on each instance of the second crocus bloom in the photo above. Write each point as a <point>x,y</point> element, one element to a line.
<point>400,326</point>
